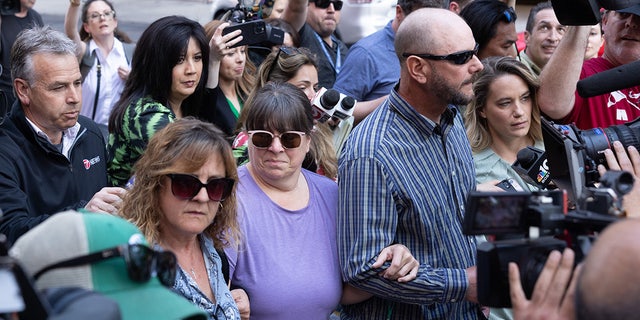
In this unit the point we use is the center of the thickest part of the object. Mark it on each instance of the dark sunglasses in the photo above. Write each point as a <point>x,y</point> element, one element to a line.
<point>323,4</point>
<point>263,139</point>
<point>186,186</point>
<point>509,15</point>
<point>142,262</point>
<point>459,58</point>
<point>289,51</point>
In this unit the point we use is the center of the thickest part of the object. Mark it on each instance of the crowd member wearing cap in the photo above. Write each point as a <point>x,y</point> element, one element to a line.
<point>106,254</point>
<point>288,260</point>
<point>558,96</point>
<point>183,200</point>
<point>52,158</point>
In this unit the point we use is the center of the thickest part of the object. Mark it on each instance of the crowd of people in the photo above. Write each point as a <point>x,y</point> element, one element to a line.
<point>206,161</point>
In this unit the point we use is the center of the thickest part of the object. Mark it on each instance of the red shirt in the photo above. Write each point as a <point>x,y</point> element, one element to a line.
<point>617,107</point>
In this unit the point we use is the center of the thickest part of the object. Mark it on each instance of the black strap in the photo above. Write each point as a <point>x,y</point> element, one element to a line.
<point>95,101</point>
<point>225,264</point>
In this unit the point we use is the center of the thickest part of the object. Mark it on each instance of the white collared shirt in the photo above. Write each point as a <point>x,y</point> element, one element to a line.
<point>68,136</point>
<point>111,85</point>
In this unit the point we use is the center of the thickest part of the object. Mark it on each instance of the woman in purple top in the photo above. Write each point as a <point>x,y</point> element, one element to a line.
<point>287,260</point>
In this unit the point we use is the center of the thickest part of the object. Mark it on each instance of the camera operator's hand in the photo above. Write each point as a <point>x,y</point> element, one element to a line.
<point>551,299</point>
<point>627,162</point>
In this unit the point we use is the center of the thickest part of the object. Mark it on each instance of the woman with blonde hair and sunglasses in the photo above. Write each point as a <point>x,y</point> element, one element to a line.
<point>183,200</point>
<point>503,118</point>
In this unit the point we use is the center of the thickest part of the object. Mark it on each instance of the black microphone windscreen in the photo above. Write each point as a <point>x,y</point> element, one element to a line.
<point>622,77</point>
<point>526,157</point>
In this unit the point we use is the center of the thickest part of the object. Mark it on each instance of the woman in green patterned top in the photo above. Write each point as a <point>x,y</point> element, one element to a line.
<point>164,85</point>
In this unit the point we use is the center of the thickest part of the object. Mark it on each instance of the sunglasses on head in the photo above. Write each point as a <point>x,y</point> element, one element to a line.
<point>186,186</point>
<point>263,139</point>
<point>289,51</point>
<point>509,15</point>
<point>323,4</point>
<point>459,58</point>
<point>142,263</point>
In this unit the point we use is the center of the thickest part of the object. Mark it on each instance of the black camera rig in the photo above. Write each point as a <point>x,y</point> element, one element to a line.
<point>539,222</point>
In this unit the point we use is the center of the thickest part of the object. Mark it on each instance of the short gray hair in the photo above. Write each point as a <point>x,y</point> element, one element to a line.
<point>33,41</point>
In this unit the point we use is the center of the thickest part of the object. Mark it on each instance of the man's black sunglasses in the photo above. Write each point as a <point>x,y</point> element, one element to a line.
<point>142,262</point>
<point>460,57</point>
<point>323,4</point>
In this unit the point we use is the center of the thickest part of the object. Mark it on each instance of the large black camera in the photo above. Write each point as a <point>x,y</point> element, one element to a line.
<point>8,7</point>
<point>573,156</point>
<point>533,222</point>
<point>539,222</point>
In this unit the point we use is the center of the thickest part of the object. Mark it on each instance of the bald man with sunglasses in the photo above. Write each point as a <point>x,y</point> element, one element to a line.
<point>316,22</point>
<point>405,173</point>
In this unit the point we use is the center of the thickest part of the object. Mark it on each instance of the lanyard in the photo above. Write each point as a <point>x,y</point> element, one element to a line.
<point>338,65</point>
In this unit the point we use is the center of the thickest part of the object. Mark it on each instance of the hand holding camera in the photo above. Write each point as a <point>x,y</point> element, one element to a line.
<point>553,296</point>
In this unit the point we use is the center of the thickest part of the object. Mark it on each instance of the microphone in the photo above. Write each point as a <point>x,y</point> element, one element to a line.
<point>621,77</point>
<point>531,166</point>
<point>324,104</point>
<point>344,109</point>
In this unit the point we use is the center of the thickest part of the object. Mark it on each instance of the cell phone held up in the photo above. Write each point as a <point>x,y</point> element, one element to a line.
<point>256,32</point>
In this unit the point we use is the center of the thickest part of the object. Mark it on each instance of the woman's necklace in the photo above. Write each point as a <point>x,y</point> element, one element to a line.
<point>193,272</point>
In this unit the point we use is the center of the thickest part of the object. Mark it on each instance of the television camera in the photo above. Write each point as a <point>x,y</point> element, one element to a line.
<point>536,223</point>
<point>256,34</point>
<point>8,7</point>
<point>584,203</point>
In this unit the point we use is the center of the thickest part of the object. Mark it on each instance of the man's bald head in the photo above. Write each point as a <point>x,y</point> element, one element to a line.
<point>609,284</point>
<point>431,30</point>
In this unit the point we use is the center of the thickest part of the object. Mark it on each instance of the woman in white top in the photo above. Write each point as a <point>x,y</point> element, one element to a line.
<point>105,73</point>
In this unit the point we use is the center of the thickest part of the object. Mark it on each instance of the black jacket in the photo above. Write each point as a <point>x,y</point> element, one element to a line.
<point>36,180</point>
<point>216,110</point>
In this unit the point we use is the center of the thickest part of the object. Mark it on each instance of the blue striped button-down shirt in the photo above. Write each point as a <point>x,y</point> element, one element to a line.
<point>404,179</point>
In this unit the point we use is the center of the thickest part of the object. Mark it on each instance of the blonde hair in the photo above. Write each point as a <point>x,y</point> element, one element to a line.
<point>494,67</point>
<point>182,146</point>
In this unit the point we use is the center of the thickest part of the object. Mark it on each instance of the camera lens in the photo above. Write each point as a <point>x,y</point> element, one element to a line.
<point>596,140</point>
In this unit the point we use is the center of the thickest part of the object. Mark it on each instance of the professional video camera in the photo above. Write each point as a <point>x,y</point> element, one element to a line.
<point>258,35</point>
<point>245,10</point>
<point>8,7</point>
<point>535,221</point>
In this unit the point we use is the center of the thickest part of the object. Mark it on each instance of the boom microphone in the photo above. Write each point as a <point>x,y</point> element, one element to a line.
<point>622,77</point>
<point>531,166</point>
